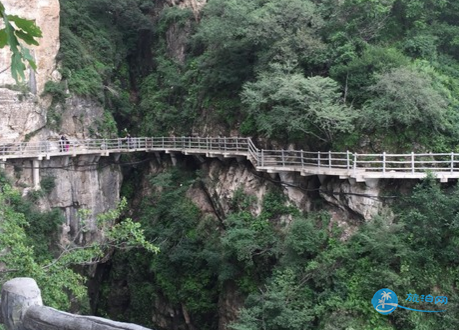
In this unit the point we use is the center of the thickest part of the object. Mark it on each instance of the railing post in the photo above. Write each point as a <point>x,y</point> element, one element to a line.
<point>224,143</point>
<point>384,162</point>
<point>355,163</point>
<point>412,162</point>
<point>237,144</point>
<point>262,160</point>
<point>452,162</point>
<point>18,295</point>
<point>162,142</point>
<point>318,159</point>
<point>283,157</point>
<point>302,158</point>
<point>329,159</point>
<point>347,160</point>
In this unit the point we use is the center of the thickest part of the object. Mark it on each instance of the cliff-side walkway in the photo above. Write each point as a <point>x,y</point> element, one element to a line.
<point>361,167</point>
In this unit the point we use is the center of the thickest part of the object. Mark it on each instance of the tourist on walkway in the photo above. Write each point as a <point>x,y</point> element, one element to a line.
<point>67,144</point>
<point>62,143</point>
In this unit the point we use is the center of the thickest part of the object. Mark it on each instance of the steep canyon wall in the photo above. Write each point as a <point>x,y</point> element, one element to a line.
<point>22,109</point>
<point>25,114</point>
<point>213,192</point>
<point>86,183</point>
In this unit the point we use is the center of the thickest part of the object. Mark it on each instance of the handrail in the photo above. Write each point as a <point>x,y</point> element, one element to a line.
<point>22,308</point>
<point>289,160</point>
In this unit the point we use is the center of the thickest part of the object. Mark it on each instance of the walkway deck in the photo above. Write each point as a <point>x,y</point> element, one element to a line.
<point>361,167</point>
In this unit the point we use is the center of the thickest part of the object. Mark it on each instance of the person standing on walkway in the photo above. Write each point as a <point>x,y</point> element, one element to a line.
<point>67,144</point>
<point>129,140</point>
<point>62,143</point>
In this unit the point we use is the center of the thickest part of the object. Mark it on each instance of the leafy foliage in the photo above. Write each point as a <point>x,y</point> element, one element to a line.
<point>322,282</point>
<point>28,237</point>
<point>330,71</point>
<point>360,71</point>
<point>282,102</point>
<point>405,98</point>
<point>16,29</point>
<point>248,36</point>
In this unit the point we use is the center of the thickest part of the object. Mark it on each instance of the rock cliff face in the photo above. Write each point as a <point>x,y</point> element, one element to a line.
<point>80,182</point>
<point>22,109</point>
<point>348,203</point>
<point>195,5</point>
<point>89,183</point>
<point>45,13</point>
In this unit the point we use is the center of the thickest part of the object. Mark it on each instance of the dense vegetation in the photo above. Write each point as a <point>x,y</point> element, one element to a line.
<point>29,249</point>
<point>379,74</point>
<point>299,70</point>
<point>304,275</point>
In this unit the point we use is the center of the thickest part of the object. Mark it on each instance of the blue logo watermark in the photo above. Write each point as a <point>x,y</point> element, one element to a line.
<point>385,301</point>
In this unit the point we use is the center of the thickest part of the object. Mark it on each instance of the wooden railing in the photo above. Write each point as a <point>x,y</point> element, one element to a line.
<point>289,160</point>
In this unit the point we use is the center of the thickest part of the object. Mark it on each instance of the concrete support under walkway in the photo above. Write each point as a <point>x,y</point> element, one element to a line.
<point>173,159</point>
<point>36,174</point>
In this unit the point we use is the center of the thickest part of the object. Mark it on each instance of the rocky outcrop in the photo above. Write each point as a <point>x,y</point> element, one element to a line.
<point>177,35</point>
<point>80,182</point>
<point>73,184</point>
<point>79,118</point>
<point>45,13</point>
<point>20,114</point>
<point>229,303</point>
<point>22,109</point>
<point>195,5</point>
<point>225,178</point>
<point>360,198</point>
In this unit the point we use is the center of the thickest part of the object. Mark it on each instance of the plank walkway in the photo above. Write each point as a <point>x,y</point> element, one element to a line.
<point>361,167</point>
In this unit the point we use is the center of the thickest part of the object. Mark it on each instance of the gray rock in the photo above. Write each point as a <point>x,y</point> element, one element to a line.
<point>22,309</point>
<point>47,318</point>
<point>17,296</point>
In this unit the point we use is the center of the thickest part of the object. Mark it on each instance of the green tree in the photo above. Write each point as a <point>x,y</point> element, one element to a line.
<point>404,98</point>
<point>242,37</point>
<point>54,273</point>
<point>360,20</point>
<point>282,101</point>
<point>284,304</point>
<point>15,30</point>
<point>359,72</point>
